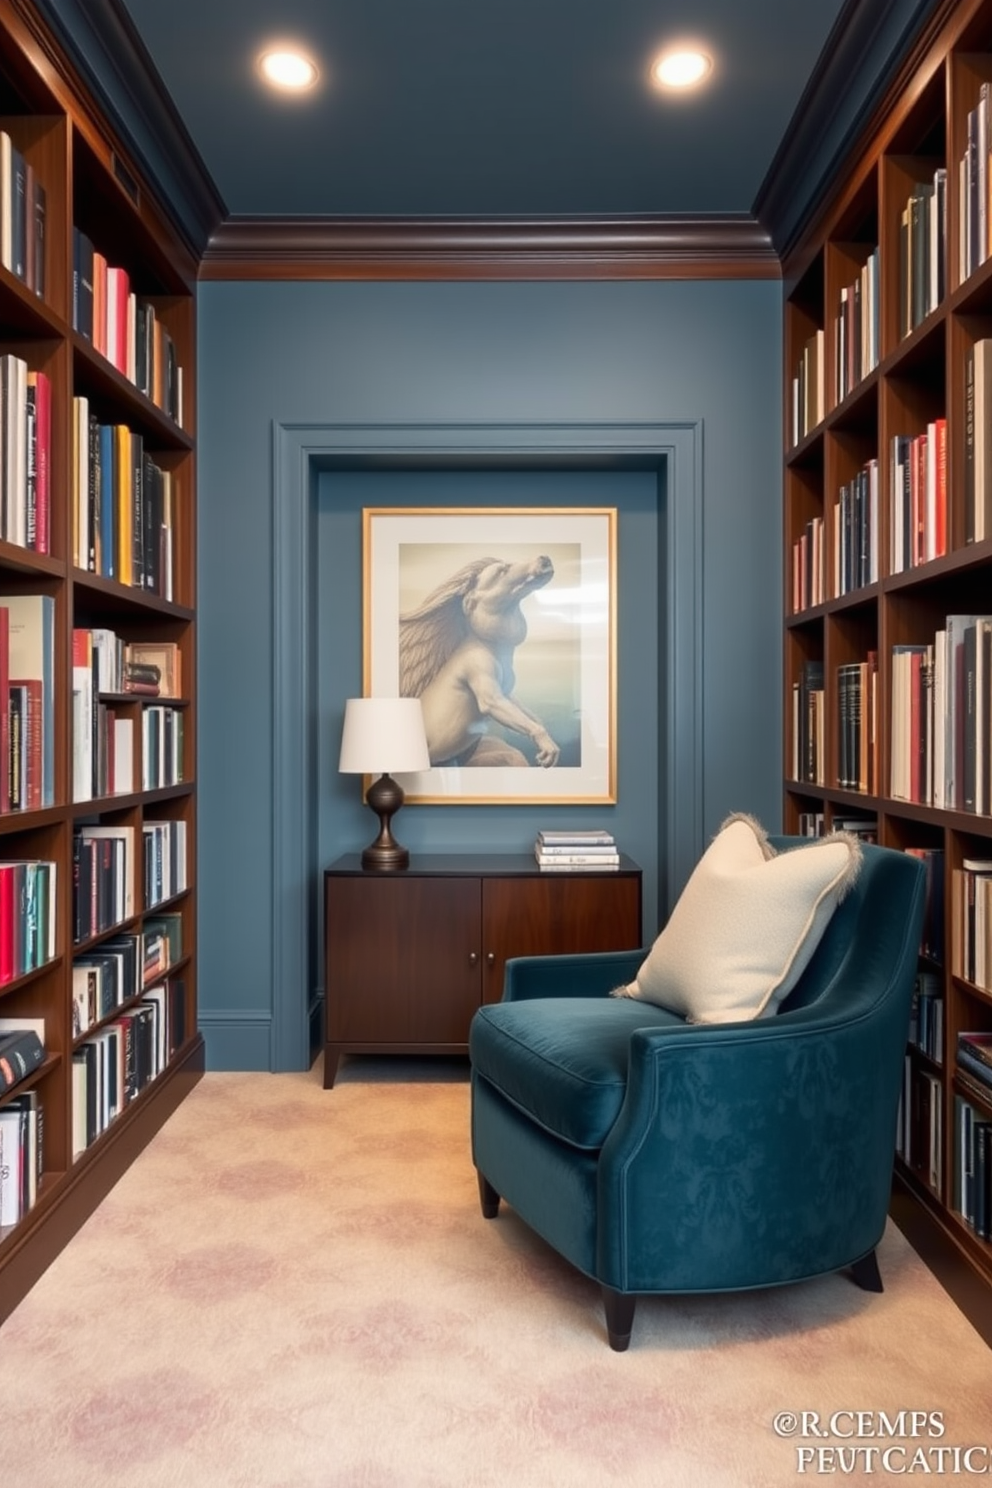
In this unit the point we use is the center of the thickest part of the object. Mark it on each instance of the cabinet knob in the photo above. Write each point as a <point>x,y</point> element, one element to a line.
<point>491,959</point>
<point>473,959</point>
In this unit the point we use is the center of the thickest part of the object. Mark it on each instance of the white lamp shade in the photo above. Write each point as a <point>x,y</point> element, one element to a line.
<point>383,736</point>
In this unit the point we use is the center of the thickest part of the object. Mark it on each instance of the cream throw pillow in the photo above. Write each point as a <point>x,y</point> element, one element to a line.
<point>745,925</point>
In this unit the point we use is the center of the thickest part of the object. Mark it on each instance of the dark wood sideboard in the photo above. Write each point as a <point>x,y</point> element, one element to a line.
<point>410,955</point>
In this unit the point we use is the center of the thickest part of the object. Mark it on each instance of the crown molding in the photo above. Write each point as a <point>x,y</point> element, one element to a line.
<point>873,48</point>
<point>102,44</point>
<point>681,247</point>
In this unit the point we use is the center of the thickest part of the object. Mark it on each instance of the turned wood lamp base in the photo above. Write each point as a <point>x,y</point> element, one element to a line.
<point>385,796</point>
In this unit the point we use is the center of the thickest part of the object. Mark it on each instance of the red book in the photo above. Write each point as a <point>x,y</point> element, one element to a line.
<point>940,536</point>
<point>42,460</point>
<point>8,876</point>
<point>118,290</point>
<point>4,711</point>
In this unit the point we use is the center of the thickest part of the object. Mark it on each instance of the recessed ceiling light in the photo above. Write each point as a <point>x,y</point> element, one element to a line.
<point>291,70</point>
<point>681,68</point>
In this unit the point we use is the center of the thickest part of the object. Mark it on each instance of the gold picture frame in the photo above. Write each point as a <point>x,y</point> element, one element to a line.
<point>503,621</point>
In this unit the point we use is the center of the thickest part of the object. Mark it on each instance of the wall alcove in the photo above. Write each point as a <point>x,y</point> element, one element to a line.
<point>301,454</point>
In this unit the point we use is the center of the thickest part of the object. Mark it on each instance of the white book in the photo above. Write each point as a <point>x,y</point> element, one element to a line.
<point>123,782</point>
<point>11,1166</point>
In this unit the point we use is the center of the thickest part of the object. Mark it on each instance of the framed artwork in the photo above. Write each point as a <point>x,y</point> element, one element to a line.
<point>502,620</point>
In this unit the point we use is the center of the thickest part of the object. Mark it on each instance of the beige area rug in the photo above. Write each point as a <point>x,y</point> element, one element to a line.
<point>294,1288</point>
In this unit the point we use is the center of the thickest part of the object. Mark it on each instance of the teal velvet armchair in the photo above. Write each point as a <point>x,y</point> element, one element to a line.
<point>660,1156</point>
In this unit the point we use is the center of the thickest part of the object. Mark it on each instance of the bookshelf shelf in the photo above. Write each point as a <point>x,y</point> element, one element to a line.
<point>910,189</point>
<point>106,1084</point>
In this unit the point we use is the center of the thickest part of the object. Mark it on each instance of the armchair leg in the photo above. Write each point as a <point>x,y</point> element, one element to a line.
<point>619,1308</point>
<point>866,1273</point>
<point>488,1197</point>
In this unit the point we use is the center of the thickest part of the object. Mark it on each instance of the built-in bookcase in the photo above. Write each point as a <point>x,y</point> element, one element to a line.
<point>874,670</point>
<point>132,1026</point>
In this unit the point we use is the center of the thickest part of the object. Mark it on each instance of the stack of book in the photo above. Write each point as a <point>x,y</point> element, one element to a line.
<point>590,850</point>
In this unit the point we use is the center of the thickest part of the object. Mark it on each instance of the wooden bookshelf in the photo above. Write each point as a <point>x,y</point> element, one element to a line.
<point>919,568</point>
<point>91,185</point>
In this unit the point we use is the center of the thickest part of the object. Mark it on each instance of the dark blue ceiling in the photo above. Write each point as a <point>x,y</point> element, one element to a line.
<point>531,107</point>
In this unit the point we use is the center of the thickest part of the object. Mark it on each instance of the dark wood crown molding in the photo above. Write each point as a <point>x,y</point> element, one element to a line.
<point>100,42</point>
<point>873,47</point>
<point>674,247</point>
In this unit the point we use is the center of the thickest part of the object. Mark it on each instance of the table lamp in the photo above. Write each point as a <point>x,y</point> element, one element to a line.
<point>383,734</point>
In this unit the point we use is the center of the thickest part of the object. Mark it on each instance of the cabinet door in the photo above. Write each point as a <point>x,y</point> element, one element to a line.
<point>551,915</point>
<point>402,959</point>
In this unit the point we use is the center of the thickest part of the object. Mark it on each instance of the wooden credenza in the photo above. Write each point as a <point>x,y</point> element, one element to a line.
<point>409,956</point>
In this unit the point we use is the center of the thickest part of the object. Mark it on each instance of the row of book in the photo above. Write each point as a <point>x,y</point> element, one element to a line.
<point>22,1051</point>
<point>858,328</point>
<point>974,225</point>
<point>21,1157</point>
<point>28,916</point>
<point>941,717</point>
<point>103,872</point>
<point>809,567</point>
<point>809,391</point>
<point>103,754</point>
<point>918,488</point>
<point>977,433</point>
<point>25,454</point>
<point>122,504</point>
<point>920,1123</point>
<point>855,531</point>
<point>591,849</point>
<point>23,212</point>
<point>121,967</point>
<point>124,328</point>
<point>971,919</point>
<point>112,1067</point>
<point>971,1186</point>
<point>27,701</point>
<point>922,251</point>
<point>926,1019</point>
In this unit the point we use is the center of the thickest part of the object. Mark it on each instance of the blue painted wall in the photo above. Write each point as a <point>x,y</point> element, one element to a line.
<point>448,353</point>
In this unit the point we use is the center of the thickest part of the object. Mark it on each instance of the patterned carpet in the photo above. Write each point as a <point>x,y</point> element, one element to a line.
<point>294,1288</point>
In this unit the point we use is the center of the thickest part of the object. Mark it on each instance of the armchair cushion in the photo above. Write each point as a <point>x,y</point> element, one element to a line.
<point>745,925</point>
<point>562,1060</point>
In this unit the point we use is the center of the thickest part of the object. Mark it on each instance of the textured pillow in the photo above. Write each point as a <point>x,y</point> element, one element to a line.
<point>745,925</point>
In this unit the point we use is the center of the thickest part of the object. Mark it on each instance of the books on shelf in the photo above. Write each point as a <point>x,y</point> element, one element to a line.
<point>25,454</point>
<point>124,328</point>
<point>918,487</point>
<point>971,1189</point>
<point>564,850</point>
<point>809,567</point>
<point>977,453</point>
<point>942,717</point>
<point>27,701</point>
<point>922,251</point>
<point>23,210</point>
<point>971,922</point>
<point>22,1050</point>
<point>857,328</point>
<point>973,193</point>
<point>974,1056</point>
<point>809,387</point>
<point>122,504</point>
<point>932,940</point>
<point>27,916</point>
<point>21,1161</point>
<point>112,1067</point>
<point>855,518</point>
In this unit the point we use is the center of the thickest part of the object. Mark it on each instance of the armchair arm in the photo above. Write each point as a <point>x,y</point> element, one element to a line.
<point>749,1154</point>
<point>577,974</point>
